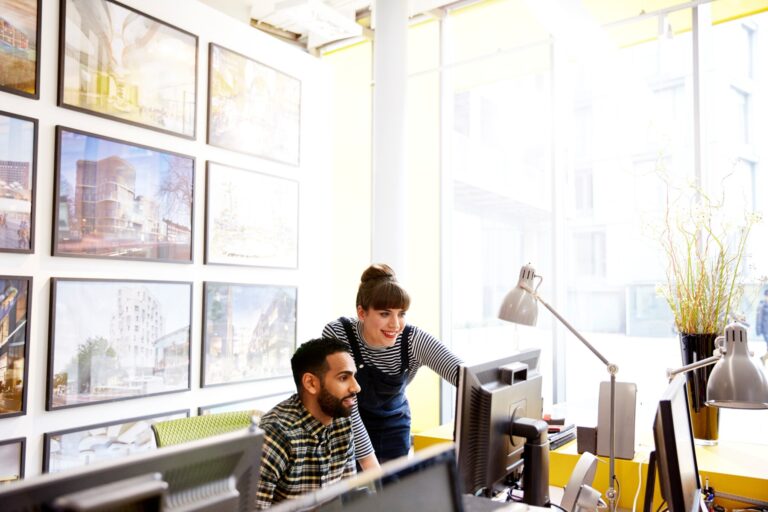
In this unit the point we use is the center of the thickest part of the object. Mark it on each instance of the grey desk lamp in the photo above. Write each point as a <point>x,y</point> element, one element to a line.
<point>521,307</point>
<point>736,381</point>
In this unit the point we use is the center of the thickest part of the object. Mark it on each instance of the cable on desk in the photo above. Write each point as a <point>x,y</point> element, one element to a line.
<point>557,506</point>
<point>618,489</point>
<point>663,502</point>
<point>639,484</point>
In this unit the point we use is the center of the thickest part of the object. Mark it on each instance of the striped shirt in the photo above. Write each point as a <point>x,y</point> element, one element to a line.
<point>301,454</point>
<point>423,350</point>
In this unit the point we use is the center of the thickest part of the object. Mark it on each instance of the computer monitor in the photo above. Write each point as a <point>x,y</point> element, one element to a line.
<point>675,456</point>
<point>217,473</point>
<point>498,430</point>
<point>425,481</point>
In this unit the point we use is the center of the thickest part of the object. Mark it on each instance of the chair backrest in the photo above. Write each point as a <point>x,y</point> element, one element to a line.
<point>182,430</point>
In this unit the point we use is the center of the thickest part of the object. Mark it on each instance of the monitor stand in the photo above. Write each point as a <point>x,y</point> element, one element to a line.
<point>535,459</point>
<point>650,482</point>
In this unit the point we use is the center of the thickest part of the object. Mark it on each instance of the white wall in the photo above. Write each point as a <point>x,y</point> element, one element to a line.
<point>315,252</point>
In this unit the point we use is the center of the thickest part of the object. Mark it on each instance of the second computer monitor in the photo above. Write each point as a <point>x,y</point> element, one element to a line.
<point>489,398</point>
<point>675,453</point>
<point>423,482</point>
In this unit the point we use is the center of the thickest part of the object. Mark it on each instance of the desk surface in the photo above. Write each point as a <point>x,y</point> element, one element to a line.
<point>734,468</point>
<point>475,504</point>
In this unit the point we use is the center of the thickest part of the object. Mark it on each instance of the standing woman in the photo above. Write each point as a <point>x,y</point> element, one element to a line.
<point>387,353</point>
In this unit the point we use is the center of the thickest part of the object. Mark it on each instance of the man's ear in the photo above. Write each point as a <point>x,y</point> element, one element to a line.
<point>311,383</point>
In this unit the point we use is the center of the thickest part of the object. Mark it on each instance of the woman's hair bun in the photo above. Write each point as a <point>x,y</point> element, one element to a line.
<point>379,289</point>
<point>378,271</point>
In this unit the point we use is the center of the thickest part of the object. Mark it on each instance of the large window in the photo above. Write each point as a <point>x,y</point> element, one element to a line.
<point>499,161</point>
<point>551,130</point>
<point>562,141</point>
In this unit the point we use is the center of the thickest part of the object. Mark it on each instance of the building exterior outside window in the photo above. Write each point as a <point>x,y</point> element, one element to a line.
<point>577,185</point>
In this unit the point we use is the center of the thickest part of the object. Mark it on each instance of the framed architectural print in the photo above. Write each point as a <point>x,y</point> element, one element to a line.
<point>76,447</point>
<point>18,174</point>
<point>20,47</point>
<point>262,404</point>
<point>252,108</point>
<point>117,62</point>
<point>15,306</point>
<point>114,199</point>
<point>250,332</point>
<point>12,459</point>
<point>251,218</point>
<point>116,340</point>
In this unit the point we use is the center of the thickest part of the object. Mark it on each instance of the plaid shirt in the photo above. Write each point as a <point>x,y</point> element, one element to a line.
<point>300,453</point>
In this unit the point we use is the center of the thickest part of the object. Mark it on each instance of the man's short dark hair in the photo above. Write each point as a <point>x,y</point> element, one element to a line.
<point>310,357</point>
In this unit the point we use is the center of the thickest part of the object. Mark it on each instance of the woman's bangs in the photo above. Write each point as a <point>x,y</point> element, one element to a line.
<point>391,296</point>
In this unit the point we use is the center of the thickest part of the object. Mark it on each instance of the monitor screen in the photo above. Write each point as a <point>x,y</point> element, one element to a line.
<point>425,481</point>
<point>675,454</point>
<point>490,397</point>
<point>216,473</point>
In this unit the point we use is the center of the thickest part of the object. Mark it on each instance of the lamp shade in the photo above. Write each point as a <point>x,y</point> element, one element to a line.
<point>519,305</point>
<point>736,381</point>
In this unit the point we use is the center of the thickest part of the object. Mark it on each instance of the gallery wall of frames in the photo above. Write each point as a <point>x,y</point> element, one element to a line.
<point>158,169</point>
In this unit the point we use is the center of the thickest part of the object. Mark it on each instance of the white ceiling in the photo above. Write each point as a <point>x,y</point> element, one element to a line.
<point>311,23</point>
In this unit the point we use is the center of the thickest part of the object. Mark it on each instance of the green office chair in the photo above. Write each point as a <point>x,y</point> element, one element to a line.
<point>183,430</point>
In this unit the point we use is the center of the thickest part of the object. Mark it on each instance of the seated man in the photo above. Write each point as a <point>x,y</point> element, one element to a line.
<point>308,442</point>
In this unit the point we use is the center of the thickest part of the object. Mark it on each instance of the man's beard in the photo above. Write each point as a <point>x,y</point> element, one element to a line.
<point>332,406</point>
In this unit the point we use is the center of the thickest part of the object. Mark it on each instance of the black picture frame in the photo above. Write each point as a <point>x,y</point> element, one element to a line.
<point>102,444</point>
<point>149,216</point>
<point>15,291</point>
<point>127,365</point>
<point>251,218</point>
<point>22,442</point>
<point>19,188</point>
<point>113,82</point>
<point>263,403</point>
<point>253,112</point>
<point>247,315</point>
<point>25,25</point>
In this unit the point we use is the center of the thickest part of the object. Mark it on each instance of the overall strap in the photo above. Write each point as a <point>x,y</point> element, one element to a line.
<point>404,342</point>
<point>352,338</point>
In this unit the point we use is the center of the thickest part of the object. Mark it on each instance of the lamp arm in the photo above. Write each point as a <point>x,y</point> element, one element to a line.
<point>698,364</point>
<point>570,328</point>
<point>612,370</point>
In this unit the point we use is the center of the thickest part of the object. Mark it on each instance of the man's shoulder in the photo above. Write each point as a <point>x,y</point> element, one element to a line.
<point>282,416</point>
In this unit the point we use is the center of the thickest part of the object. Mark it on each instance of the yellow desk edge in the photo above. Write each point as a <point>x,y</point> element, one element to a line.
<point>734,468</point>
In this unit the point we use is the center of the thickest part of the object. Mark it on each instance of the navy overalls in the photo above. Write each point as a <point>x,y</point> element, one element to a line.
<point>381,401</point>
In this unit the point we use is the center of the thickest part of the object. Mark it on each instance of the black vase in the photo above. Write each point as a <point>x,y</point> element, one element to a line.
<point>704,419</point>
